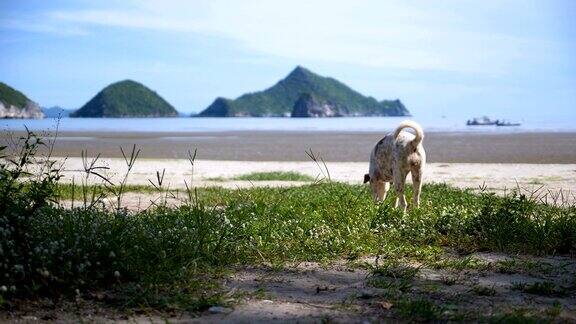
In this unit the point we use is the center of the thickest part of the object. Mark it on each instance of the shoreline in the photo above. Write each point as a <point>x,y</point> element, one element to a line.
<point>441,147</point>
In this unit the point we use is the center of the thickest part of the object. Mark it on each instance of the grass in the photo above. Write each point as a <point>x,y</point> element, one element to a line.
<point>525,266</point>
<point>483,290</point>
<point>171,257</point>
<point>67,191</point>
<point>395,270</point>
<point>459,264</point>
<point>269,176</point>
<point>419,310</point>
<point>542,288</point>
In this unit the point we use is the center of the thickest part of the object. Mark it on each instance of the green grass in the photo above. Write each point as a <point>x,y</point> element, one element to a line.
<point>318,222</point>
<point>268,176</point>
<point>67,191</point>
<point>419,310</point>
<point>171,257</point>
<point>483,290</point>
<point>275,176</point>
<point>163,246</point>
<point>543,288</point>
<point>459,264</point>
<point>395,270</point>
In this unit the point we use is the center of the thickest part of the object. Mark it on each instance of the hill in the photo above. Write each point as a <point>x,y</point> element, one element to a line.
<point>126,99</point>
<point>56,111</point>
<point>14,104</point>
<point>281,99</point>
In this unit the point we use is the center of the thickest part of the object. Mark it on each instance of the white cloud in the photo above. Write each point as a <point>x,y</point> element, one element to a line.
<point>394,34</point>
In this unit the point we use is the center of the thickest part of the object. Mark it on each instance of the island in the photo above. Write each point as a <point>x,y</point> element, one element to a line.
<point>15,104</point>
<point>126,99</point>
<point>56,112</point>
<point>304,94</point>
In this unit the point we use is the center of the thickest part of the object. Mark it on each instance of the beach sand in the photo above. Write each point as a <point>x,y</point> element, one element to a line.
<point>547,179</point>
<point>548,148</point>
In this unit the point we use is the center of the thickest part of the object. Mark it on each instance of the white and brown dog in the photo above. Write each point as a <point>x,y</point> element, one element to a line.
<point>393,157</point>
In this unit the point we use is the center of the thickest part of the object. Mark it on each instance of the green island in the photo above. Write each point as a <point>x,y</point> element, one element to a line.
<point>331,97</point>
<point>126,99</point>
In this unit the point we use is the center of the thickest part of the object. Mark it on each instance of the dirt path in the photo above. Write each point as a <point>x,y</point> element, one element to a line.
<point>483,284</point>
<point>464,288</point>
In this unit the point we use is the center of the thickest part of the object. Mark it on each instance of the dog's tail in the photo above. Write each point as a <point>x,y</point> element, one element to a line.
<point>415,126</point>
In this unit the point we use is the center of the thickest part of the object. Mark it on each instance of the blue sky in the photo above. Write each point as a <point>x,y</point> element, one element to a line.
<point>510,58</point>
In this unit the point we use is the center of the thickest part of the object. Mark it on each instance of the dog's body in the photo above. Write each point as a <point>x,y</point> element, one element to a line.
<point>393,157</point>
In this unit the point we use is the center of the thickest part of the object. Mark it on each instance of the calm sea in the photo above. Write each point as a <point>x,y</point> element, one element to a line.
<point>344,124</point>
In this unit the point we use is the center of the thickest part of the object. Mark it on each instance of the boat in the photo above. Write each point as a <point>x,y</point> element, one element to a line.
<point>481,121</point>
<point>507,123</point>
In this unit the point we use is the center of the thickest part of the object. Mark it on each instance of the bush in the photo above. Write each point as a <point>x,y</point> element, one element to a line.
<point>24,193</point>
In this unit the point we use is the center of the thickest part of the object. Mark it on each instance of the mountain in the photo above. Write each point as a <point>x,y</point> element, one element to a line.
<point>126,99</point>
<point>308,105</point>
<point>14,104</point>
<point>280,99</point>
<point>56,111</point>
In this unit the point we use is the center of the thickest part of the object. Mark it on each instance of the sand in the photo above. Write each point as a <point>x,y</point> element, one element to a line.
<point>332,146</point>
<point>548,180</point>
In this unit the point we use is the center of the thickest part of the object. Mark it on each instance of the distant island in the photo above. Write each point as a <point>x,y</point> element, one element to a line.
<point>56,111</point>
<point>304,94</point>
<point>126,99</point>
<point>14,104</point>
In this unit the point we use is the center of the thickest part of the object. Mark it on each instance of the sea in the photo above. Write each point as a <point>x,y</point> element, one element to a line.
<point>550,123</point>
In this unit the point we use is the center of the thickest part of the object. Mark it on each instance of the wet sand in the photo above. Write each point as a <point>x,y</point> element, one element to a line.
<point>332,146</point>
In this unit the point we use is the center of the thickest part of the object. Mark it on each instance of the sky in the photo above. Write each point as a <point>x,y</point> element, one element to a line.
<point>507,58</point>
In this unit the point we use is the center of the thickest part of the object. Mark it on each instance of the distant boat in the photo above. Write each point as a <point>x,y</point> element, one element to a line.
<point>506,123</point>
<point>481,121</point>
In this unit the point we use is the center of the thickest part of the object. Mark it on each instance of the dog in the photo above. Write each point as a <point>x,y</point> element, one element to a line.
<point>393,157</point>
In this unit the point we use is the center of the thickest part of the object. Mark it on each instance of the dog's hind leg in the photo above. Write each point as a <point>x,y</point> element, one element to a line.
<point>399,181</point>
<point>417,185</point>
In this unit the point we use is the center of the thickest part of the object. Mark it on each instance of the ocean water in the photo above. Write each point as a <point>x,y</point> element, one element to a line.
<point>344,124</point>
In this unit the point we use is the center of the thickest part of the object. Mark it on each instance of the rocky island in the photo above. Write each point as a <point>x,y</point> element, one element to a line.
<point>304,94</point>
<point>126,99</point>
<point>14,104</point>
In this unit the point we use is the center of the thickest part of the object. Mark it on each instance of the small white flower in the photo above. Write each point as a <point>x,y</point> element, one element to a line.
<point>112,254</point>
<point>117,274</point>
<point>3,289</point>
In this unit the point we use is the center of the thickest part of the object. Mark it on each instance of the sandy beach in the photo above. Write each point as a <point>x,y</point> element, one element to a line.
<point>545,178</point>
<point>533,148</point>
